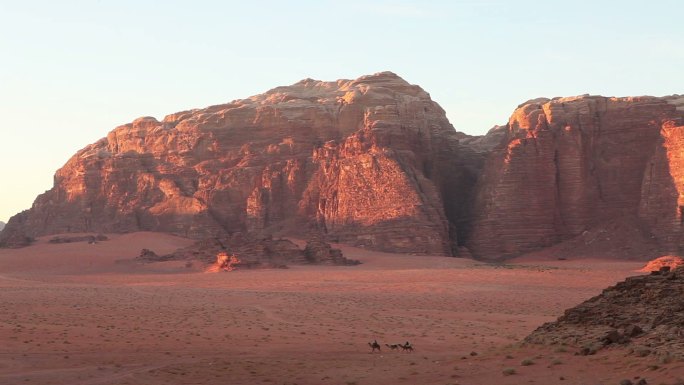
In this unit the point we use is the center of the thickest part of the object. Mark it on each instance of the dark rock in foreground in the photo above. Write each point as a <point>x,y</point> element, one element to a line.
<point>643,315</point>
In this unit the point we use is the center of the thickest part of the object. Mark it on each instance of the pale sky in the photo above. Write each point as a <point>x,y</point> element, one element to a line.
<point>70,71</point>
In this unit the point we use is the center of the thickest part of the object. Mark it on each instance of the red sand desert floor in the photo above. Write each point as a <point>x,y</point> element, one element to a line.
<point>82,314</point>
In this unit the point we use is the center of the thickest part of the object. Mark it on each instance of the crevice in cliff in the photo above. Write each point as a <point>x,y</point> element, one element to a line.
<point>557,186</point>
<point>599,189</point>
<point>217,218</point>
<point>458,194</point>
<point>650,178</point>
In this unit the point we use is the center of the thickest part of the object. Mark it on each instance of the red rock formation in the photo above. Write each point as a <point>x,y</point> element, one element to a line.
<point>224,262</point>
<point>668,261</point>
<point>570,164</point>
<point>374,162</point>
<point>662,190</point>
<point>254,252</point>
<point>365,161</point>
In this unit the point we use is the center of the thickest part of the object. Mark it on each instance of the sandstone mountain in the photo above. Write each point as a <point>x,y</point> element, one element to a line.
<point>568,167</point>
<point>2,225</point>
<point>374,162</point>
<point>371,162</point>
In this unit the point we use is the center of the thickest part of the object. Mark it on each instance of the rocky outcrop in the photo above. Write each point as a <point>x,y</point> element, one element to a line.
<point>91,239</point>
<point>643,315</point>
<point>16,234</point>
<point>254,252</point>
<point>319,252</point>
<point>224,262</point>
<point>569,165</point>
<point>670,262</point>
<point>371,162</point>
<point>2,225</point>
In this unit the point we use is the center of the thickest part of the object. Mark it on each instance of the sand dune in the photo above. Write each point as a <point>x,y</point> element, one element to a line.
<point>88,314</point>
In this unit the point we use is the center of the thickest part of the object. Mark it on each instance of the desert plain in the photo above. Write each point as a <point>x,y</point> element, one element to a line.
<point>87,314</point>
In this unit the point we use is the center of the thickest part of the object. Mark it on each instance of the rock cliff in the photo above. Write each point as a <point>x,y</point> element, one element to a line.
<point>569,165</point>
<point>374,162</point>
<point>2,225</point>
<point>371,162</point>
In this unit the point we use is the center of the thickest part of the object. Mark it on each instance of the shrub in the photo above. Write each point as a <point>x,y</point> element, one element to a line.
<point>508,371</point>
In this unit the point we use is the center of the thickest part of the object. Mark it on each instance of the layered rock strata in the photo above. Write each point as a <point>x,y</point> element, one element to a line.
<point>374,162</point>
<point>371,162</point>
<point>568,165</point>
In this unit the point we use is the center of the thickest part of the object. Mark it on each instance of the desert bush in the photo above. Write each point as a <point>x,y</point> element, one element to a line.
<point>508,371</point>
<point>526,362</point>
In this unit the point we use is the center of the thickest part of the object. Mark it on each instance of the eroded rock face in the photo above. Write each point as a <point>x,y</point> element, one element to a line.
<point>569,164</point>
<point>16,234</point>
<point>367,162</point>
<point>374,162</point>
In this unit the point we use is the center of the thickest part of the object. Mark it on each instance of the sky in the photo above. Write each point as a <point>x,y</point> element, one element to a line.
<point>71,71</point>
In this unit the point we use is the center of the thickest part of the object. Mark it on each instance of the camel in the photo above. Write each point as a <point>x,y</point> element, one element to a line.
<point>374,345</point>
<point>406,347</point>
<point>393,346</point>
